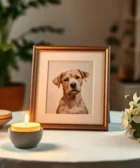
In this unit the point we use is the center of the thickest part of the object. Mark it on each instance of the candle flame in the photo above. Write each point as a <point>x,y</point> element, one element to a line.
<point>26,118</point>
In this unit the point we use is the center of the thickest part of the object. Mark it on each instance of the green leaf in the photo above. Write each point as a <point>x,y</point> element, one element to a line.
<point>54,1</point>
<point>135,126</point>
<point>46,29</point>
<point>44,43</point>
<point>13,62</point>
<point>113,69</point>
<point>112,56</point>
<point>16,44</point>
<point>17,8</point>
<point>23,6</point>
<point>129,32</point>
<point>42,2</point>
<point>6,47</point>
<point>7,59</point>
<point>33,30</point>
<point>114,29</point>
<point>24,41</point>
<point>33,4</point>
<point>23,48</point>
<point>3,23</point>
<point>136,134</point>
<point>14,2</point>
<point>113,41</point>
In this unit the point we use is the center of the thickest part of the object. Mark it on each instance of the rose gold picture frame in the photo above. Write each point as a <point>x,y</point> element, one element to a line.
<point>37,72</point>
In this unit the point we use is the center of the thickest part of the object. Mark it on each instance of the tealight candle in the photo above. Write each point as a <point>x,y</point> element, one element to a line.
<point>25,134</point>
<point>25,126</point>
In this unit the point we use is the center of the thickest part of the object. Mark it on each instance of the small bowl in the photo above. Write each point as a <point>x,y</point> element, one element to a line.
<point>4,121</point>
<point>5,117</point>
<point>25,140</point>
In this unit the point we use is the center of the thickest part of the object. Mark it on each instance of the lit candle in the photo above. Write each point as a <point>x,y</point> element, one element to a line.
<point>25,126</point>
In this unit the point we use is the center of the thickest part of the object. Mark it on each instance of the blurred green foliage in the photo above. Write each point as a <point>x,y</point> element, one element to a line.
<point>114,41</point>
<point>21,47</point>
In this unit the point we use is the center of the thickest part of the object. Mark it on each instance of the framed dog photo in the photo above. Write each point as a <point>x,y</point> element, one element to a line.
<point>69,87</point>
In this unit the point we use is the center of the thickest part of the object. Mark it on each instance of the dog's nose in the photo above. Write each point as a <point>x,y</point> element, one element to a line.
<point>73,85</point>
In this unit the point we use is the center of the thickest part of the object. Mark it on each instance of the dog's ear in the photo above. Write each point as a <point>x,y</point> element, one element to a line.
<point>57,80</point>
<point>84,74</point>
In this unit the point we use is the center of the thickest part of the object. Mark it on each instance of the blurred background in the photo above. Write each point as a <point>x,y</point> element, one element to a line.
<point>24,23</point>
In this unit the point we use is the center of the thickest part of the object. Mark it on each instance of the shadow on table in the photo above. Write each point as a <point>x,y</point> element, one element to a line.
<point>40,148</point>
<point>5,128</point>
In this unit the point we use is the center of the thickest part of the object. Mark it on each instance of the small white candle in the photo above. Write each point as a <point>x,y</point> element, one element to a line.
<point>25,126</point>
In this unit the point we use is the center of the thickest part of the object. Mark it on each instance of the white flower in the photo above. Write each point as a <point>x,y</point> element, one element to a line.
<point>130,131</point>
<point>129,113</point>
<point>136,111</point>
<point>125,120</point>
<point>131,108</point>
<point>126,96</point>
<point>135,100</point>
<point>136,118</point>
<point>139,140</point>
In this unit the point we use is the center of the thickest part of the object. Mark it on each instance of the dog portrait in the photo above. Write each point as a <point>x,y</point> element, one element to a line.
<point>70,87</point>
<point>71,101</point>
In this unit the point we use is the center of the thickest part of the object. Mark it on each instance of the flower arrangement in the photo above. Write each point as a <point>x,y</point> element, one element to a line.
<point>131,117</point>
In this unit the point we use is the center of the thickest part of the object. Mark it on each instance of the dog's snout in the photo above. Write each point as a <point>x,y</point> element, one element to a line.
<point>73,85</point>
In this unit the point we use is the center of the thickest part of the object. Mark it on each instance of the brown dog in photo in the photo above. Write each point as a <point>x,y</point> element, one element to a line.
<point>71,102</point>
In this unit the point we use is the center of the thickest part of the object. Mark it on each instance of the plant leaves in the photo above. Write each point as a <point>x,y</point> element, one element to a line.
<point>135,126</point>
<point>114,28</point>
<point>3,23</point>
<point>17,8</point>
<point>54,1</point>
<point>5,47</point>
<point>23,48</point>
<point>44,43</point>
<point>34,4</point>
<point>15,42</point>
<point>14,2</point>
<point>42,2</point>
<point>46,29</point>
<point>38,3</point>
<point>113,41</point>
<point>136,134</point>
<point>128,32</point>
<point>7,59</point>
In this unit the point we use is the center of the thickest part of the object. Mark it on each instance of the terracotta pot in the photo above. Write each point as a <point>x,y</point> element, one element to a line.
<point>12,97</point>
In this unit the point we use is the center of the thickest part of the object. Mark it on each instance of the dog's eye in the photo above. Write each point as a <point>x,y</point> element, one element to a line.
<point>66,79</point>
<point>77,77</point>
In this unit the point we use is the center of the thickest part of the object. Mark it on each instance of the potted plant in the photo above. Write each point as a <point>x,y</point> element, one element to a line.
<point>12,94</point>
